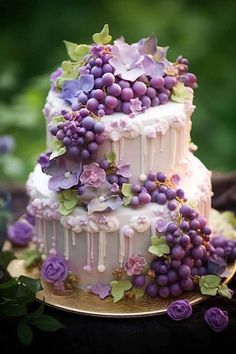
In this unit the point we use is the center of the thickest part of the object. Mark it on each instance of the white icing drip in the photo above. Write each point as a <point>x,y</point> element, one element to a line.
<point>116,149</point>
<point>130,246</point>
<point>161,138</point>
<point>143,152</point>
<point>173,147</point>
<point>37,224</point>
<point>101,250</point>
<point>92,247</point>
<point>122,148</point>
<point>121,246</point>
<point>66,243</point>
<point>54,233</point>
<point>41,231</point>
<point>88,267</point>
<point>153,227</point>
<point>151,153</point>
<point>73,238</point>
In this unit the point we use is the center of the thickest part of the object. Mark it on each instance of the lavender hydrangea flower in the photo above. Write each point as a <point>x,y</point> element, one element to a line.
<point>135,106</point>
<point>20,233</point>
<point>73,88</point>
<point>54,269</point>
<point>126,60</point>
<point>217,319</point>
<point>179,310</point>
<point>65,171</point>
<point>92,175</point>
<point>56,74</point>
<point>44,159</point>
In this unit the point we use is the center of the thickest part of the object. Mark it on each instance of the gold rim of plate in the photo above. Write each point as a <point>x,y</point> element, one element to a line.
<point>86,303</point>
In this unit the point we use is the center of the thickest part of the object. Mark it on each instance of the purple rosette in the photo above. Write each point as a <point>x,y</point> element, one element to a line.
<point>20,233</point>
<point>179,310</point>
<point>217,319</point>
<point>54,269</point>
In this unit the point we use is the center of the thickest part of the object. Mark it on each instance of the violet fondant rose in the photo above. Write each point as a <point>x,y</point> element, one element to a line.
<point>217,319</point>
<point>179,310</point>
<point>135,265</point>
<point>93,175</point>
<point>54,269</point>
<point>20,233</point>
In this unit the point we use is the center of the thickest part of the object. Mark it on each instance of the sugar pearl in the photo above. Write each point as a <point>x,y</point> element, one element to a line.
<point>44,257</point>
<point>101,268</point>
<point>142,178</point>
<point>53,252</point>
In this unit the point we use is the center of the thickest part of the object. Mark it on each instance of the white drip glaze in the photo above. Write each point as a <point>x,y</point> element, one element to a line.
<point>121,246</point>
<point>66,243</point>
<point>101,250</point>
<point>88,267</point>
<point>122,148</point>
<point>153,227</point>
<point>116,149</point>
<point>73,238</point>
<point>92,247</point>
<point>130,246</point>
<point>173,146</point>
<point>143,152</point>
<point>54,233</point>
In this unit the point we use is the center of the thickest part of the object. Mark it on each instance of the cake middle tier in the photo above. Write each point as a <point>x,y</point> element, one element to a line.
<point>157,139</point>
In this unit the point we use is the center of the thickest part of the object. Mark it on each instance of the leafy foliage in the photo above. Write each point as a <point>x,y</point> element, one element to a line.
<point>159,246</point>
<point>68,201</point>
<point>118,288</point>
<point>102,37</point>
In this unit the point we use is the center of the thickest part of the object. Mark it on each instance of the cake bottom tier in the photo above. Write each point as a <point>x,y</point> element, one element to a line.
<point>97,244</point>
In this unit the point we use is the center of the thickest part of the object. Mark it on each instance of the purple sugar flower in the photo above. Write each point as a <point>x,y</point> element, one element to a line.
<point>179,310</point>
<point>56,74</point>
<point>152,68</point>
<point>126,60</point>
<point>135,106</point>
<point>92,175</point>
<point>65,171</point>
<point>44,159</point>
<point>73,88</point>
<point>135,265</point>
<point>101,290</point>
<point>123,169</point>
<point>20,233</point>
<point>54,269</point>
<point>217,319</point>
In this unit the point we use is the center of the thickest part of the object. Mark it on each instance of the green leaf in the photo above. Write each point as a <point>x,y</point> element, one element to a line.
<point>55,145</point>
<point>138,293</point>
<point>229,217</point>
<point>24,333</point>
<point>126,189</point>
<point>208,291</point>
<point>111,156</point>
<point>64,211</point>
<point>68,194</point>
<point>14,309</point>
<point>9,284</point>
<point>5,258</point>
<point>70,72</point>
<point>181,93</point>
<point>69,204</point>
<point>75,51</point>
<point>102,37</point>
<point>37,313</point>
<point>159,246</point>
<point>33,285</point>
<point>224,291</point>
<point>209,284</point>
<point>118,288</point>
<point>57,119</point>
<point>127,200</point>
<point>46,323</point>
<point>67,201</point>
<point>58,152</point>
<point>31,257</point>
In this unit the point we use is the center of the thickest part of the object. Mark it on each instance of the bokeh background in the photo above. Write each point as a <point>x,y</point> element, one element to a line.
<point>31,34</point>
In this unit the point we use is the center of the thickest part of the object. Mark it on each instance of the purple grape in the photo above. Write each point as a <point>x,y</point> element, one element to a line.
<point>126,107</point>
<point>162,280</point>
<point>171,193</point>
<point>187,284</point>
<point>188,261</point>
<point>85,154</point>
<point>98,94</point>
<point>206,230</point>
<point>112,179</point>
<point>74,150</point>
<point>151,289</point>
<point>218,241</point>
<point>192,234</point>
<point>114,90</point>
<point>177,252</point>
<point>111,102</point>
<point>194,271</point>
<point>80,141</point>
<point>108,79</point>
<point>172,276</point>
<point>82,98</point>
<point>175,263</point>
<point>53,130</point>
<point>134,202</point>
<point>107,68</point>
<point>185,210</point>
<point>139,88</point>
<point>169,82</point>
<point>172,205</point>
<point>163,98</point>
<point>170,240</point>
<point>67,141</point>
<point>184,271</point>
<point>184,226</point>
<point>155,265</point>
<point>152,176</point>
<point>219,251</point>
<point>161,198</point>
<point>99,127</point>
<point>171,228</point>
<point>98,62</point>
<point>164,292</point>
<point>122,180</point>
<point>96,71</point>
<point>184,241</point>
<point>92,147</point>
<point>176,234</point>
<point>104,164</point>
<point>138,281</point>
<point>92,104</point>
<point>98,83</point>
<point>89,136</point>
<point>163,189</point>
<point>144,198</point>
<point>202,271</point>
<point>163,269</point>
<point>60,135</point>
<point>154,195</point>
<point>127,94</point>
<point>123,84</point>
<point>151,92</point>
<point>155,101</point>
<point>136,188</point>
<point>180,193</point>
<point>161,177</point>
<point>146,101</point>
<point>84,112</point>
<point>99,139</point>
<point>150,185</point>
<point>88,123</point>
<point>157,82</point>
<point>194,224</point>
<point>197,241</point>
<point>175,290</point>
<point>197,252</point>
<point>118,108</point>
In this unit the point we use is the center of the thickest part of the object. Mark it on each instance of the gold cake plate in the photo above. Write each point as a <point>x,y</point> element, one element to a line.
<point>86,303</point>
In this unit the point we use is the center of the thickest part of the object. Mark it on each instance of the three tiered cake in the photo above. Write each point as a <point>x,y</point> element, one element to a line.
<point>121,203</point>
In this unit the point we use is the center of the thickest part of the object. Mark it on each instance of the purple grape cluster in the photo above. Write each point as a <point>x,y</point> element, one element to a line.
<point>224,248</point>
<point>80,133</point>
<point>112,173</point>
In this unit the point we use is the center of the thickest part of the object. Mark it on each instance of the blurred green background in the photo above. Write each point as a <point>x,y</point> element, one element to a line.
<point>31,34</point>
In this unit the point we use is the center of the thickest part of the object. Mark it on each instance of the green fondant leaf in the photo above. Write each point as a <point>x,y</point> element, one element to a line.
<point>57,119</point>
<point>223,290</point>
<point>75,51</point>
<point>111,156</point>
<point>181,93</point>
<point>31,257</point>
<point>118,288</point>
<point>229,217</point>
<point>127,200</point>
<point>55,145</point>
<point>209,284</point>
<point>59,152</point>
<point>159,246</point>
<point>70,72</point>
<point>63,211</point>
<point>102,37</point>
<point>138,293</point>
<point>126,189</point>
<point>208,291</point>
<point>69,204</point>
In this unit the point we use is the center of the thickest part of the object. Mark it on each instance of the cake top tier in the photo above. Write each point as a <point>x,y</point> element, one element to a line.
<point>105,77</point>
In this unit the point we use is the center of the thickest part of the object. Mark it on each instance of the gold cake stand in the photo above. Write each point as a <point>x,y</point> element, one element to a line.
<point>85,303</point>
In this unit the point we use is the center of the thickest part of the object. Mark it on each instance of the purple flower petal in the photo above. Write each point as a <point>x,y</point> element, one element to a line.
<point>86,82</point>
<point>123,169</point>
<point>148,45</point>
<point>63,181</point>
<point>101,290</point>
<point>217,319</point>
<point>152,68</point>
<point>179,310</point>
<point>99,204</point>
